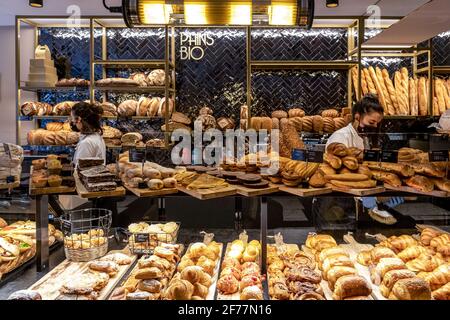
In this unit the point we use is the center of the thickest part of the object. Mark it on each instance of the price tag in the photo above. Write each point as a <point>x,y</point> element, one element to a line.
<point>207,237</point>
<point>137,155</point>
<point>299,154</point>
<point>389,156</point>
<point>439,156</point>
<point>141,237</point>
<point>371,155</point>
<point>315,156</point>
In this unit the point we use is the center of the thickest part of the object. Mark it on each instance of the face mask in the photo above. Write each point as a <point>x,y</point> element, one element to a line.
<point>74,128</point>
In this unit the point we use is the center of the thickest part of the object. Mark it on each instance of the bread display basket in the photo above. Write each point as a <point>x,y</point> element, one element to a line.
<point>86,233</point>
<point>144,237</point>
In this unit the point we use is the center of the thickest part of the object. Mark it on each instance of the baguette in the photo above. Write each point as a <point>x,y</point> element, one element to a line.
<point>401,94</point>
<point>355,81</point>
<point>422,96</point>
<point>405,87</point>
<point>389,105</point>
<point>381,94</point>
<point>367,184</point>
<point>435,106</point>
<point>370,84</point>
<point>391,89</point>
<point>364,88</point>
<point>413,99</point>
<point>387,177</point>
<point>439,90</point>
<point>332,160</point>
<point>346,177</point>
<point>446,90</point>
<point>400,169</point>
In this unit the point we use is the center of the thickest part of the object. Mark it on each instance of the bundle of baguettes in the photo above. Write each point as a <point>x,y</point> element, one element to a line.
<point>401,94</point>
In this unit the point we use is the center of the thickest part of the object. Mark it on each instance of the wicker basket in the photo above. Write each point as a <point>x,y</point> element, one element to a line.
<point>86,233</point>
<point>145,243</point>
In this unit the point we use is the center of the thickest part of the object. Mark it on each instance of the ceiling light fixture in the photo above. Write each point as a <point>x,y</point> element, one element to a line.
<point>36,3</point>
<point>332,3</point>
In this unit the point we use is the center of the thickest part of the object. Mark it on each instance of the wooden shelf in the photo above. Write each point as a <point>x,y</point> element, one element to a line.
<point>409,117</point>
<point>313,65</point>
<point>441,69</point>
<point>66,89</point>
<point>130,89</point>
<point>126,64</point>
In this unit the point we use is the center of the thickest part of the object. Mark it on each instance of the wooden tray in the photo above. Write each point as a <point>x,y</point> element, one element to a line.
<point>250,192</point>
<point>83,193</point>
<point>49,285</point>
<point>420,227</point>
<point>360,192</point>
<point>434,193</point>
<point>305,192</point>
<point>13,185</point>
<point>47,190</point>
<point>205,194</point>
<point>144,193</point>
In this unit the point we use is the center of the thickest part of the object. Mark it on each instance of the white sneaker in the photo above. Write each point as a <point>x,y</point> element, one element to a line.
<point>382,216</point>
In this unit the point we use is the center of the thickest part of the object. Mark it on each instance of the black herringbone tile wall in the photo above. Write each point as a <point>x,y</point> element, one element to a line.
<point>392,64</point>
<point>299,44</point>
<point>217,80</point>
<point>441,46</point>
<point>312,91</point>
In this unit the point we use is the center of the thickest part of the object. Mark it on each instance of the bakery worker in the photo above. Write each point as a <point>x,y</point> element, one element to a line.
<point>86,119</point>
<point>367,115</point>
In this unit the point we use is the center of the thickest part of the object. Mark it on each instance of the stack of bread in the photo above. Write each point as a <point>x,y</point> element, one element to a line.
<point>402,95</point>
<point>111,136</point>
<point>33,108</point>
<point>145,237</point>
<point>292,274</point>
<point>51,172</point>
<point>197,271</point>
<point>11,157</point>
<point>155,77</point>
<point>145,107</point>
<point>178,121</point>
<point>132,139</point>
<point>149,280</point>
<point>394,263</point>
<point>424,177</point>
<point>341,169</point>
<point>292,172</point>
<point>240,272</point>
<point>338,269</point>
<point>56,134</point>
<point>72,82</point>
<point>151,175</point>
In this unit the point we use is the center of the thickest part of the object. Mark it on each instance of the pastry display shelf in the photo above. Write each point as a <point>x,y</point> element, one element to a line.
<point>314,65</point>
<point>130,89</point>
<point>409,117</point>
<point>129,64</point>
<point>36,89</point>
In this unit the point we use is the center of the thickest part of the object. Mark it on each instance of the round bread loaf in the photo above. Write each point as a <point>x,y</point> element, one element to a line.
<point>72,138</point>
<point>63,108</point>
<point>331,113</point>
<point>109,109</point>
<point>296,112</point>
<point>162,107</point>
<point>307,124</point>
<point>152,111</point>
<point>266,123</point>
<point>127,108</point>
<point>61,138</point>
<point>255,123</point>
<point>140,78</point>
<point>317,124</point>
<point>66,126</point>
<point>156,78</point>
<point>275,123</point>
<point>36,137</point>
<point>49,138</point>
<point>339,123</point>
<point>279,114</point>
<point>29,108</point>
<point>155,184</point>
<point>143,106</point>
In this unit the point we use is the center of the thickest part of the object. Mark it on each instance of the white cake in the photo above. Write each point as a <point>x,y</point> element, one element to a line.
<point>42,69</point>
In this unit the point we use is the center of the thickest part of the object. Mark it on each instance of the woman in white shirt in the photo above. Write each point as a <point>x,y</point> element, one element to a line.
<point>86,119</point>
<point>367,115</point>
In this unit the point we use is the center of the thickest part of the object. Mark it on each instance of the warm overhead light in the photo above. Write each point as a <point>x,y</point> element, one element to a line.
<point>332,3</point>
<point>154,12</point>
<point>36,3</point>
<point>291,13</point>
<point>215,12</point>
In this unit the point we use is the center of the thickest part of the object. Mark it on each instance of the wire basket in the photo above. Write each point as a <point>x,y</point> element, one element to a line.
<point>86,233</point>
<point>145,242</point>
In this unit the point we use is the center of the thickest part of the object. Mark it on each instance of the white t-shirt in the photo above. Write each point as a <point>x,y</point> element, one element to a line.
<point>349,137</point>
<point>90,146</point>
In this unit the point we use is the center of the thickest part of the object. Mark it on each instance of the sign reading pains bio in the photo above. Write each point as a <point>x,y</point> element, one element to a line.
<point>193,45</point>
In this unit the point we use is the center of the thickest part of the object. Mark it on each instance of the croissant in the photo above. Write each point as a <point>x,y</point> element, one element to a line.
<point>363,257</point>
<point>179,290</point>
<point>200,290</point>
<point>410,289</point>
<point>428,234</point>
<point>325,253</point>
<point>424,263</point>
<point>438,277</point>
<point>390,279</point>
<point>319,242</point>
<point>411,253</point>
<point>385,265</point>
<point>401,243</point>
<point>338,271</point>
<point>333,261</point>
<point>378,253</point>
<point>441,240</point>
<point>193,274</point>
<point>443,293</point>
<point>206,264</point>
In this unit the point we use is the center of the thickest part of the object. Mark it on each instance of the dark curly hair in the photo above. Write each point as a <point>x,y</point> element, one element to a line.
<point>90,115</point>
<point>369,103</point>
